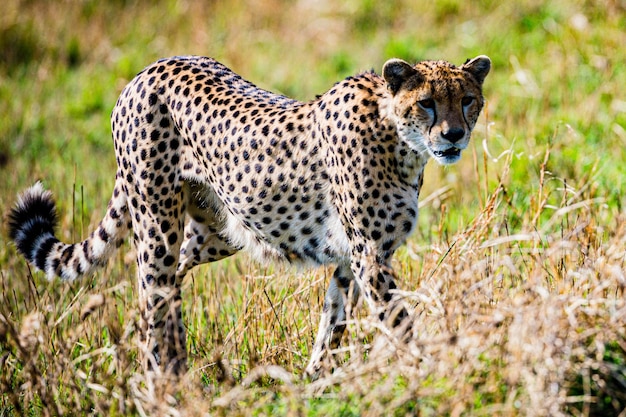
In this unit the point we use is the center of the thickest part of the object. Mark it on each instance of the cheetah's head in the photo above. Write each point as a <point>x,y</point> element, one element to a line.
<point>435,104</point>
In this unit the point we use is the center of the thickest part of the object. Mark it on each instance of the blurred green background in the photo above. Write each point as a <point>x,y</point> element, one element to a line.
<point>558,76</point>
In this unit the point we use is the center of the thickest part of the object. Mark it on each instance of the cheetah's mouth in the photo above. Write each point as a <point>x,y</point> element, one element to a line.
<point>450,152</point>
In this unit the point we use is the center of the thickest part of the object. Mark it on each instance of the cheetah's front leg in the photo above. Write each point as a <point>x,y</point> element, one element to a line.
<point>342,294</point>
<point>377,282</point>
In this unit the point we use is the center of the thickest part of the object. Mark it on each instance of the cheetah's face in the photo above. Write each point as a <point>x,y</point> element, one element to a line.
<point>435,104</point>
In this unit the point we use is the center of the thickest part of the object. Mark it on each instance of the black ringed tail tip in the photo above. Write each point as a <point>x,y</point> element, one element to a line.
<point>31,224</point>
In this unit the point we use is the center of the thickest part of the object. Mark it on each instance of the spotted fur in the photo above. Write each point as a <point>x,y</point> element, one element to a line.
<point>209,164</point>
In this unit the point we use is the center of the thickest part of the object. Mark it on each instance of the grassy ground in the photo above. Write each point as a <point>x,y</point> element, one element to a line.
<point>516,271</point>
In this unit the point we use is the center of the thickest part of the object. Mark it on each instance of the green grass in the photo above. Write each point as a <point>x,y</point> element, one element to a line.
<point>516,270</point>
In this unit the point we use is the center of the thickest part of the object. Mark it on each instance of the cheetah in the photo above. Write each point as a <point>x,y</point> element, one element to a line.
<point>209,165</point>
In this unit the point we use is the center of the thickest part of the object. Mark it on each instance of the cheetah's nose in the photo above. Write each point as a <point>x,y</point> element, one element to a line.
<point>454,135</point>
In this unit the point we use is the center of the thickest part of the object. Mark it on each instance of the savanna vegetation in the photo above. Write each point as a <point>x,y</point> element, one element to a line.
<point>516,273</point>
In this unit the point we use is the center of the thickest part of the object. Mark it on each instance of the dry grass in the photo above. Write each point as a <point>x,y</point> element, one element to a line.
<point>528,323</point>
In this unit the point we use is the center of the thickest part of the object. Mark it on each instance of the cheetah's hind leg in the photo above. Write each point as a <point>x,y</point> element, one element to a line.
<point>202,242</point>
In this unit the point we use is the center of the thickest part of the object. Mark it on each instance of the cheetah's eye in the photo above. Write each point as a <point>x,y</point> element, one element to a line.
<point>467,100</point>
<point>427,104</point>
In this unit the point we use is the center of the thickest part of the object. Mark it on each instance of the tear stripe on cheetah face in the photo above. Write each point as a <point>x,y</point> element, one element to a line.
<point>209,164</point>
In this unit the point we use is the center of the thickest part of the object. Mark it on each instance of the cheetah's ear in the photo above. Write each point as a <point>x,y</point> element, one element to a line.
<point>396,72</point>
<point>479,67</point>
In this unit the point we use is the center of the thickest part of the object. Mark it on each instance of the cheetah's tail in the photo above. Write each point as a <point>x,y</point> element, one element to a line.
<point>31,226</point>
